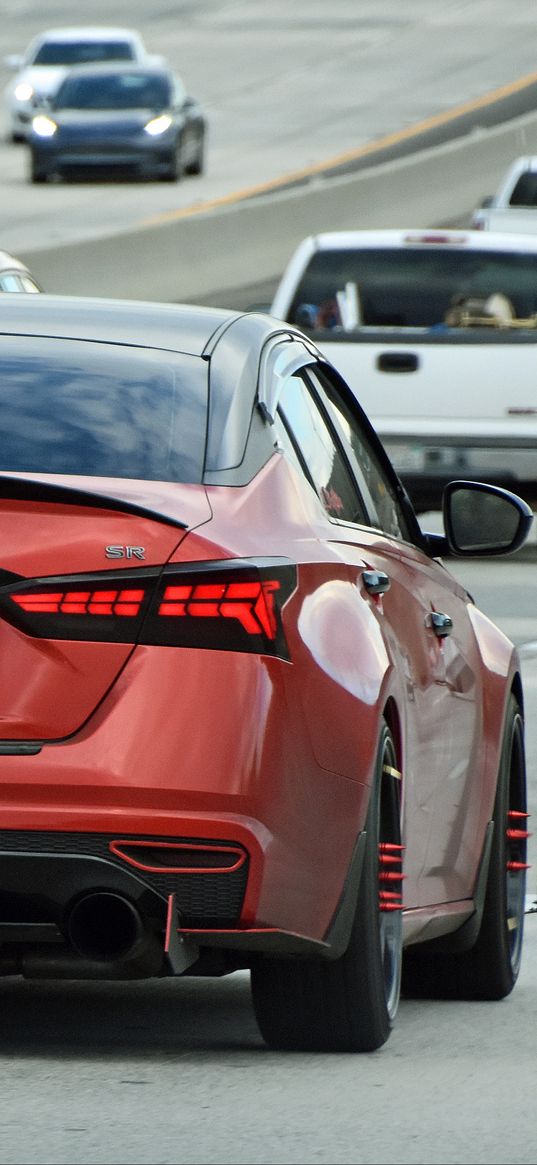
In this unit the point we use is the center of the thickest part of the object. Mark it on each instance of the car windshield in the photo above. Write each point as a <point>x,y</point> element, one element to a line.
<point>94,411</point>
<point>409,286</point>
<point>114,91</point>
<point>80,52</point>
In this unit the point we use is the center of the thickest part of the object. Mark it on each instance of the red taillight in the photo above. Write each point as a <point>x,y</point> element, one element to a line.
<point>228,605</point>
<point>124,602</point>
<point>252,603</point>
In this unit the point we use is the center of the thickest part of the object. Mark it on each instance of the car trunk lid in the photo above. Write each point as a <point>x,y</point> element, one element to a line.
<point>68,547</point>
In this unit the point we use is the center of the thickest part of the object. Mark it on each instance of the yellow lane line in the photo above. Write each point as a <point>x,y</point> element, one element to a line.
<point>350,155</point>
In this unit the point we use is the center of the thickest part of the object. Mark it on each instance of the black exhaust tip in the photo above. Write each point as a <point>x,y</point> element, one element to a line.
<point>105,926</point>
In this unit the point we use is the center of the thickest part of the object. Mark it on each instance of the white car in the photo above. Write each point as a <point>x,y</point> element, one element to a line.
<point>39,71</point>
<point>15,276</point>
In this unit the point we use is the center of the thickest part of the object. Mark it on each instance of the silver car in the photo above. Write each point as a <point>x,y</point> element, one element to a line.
<point>39,71</point>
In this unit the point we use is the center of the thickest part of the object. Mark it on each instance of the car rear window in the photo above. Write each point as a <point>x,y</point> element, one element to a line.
<point>77,53</point>
<point>409,286</point>
<point>99,410</point>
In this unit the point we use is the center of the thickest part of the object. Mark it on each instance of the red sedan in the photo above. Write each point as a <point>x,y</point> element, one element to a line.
<point>248,717</point>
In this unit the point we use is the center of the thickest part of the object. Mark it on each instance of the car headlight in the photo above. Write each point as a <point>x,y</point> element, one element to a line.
<point>44,126</point>
<point>24,91</point>
<point>158,125</point>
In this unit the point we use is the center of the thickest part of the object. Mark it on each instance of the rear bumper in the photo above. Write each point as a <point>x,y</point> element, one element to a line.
<point>215,755</point>
<point>69,914</point>
<point>43,872</point>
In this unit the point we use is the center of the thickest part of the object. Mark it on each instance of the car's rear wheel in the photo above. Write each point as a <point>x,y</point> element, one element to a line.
<point>348,1004</point>
<point>490,968</point>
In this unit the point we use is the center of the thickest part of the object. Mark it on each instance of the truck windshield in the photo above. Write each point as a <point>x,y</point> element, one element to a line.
<point>414,287</point>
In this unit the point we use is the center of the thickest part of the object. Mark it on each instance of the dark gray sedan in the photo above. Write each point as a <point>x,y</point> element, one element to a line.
<point>130,119</point>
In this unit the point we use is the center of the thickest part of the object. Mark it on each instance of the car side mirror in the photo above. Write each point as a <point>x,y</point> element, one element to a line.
<point>484,519</point>
<point>487,201</point>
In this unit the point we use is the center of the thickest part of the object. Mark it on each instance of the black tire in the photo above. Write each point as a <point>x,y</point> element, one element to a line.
<point>175,169</point>
<point>489,970</point>
<point>197,167</point>
<point>348,1004</point>
<point>37,174</point>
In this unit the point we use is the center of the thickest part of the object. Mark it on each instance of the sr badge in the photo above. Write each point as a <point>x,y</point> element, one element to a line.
<point>124,551</point>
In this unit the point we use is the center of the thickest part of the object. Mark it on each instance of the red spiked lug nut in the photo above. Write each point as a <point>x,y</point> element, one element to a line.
<point>517,834</point>
<point>390,853</point>
<point>390,876</point>
<point>516,813</point>
<point>518,866</point>
<point>390,901</point>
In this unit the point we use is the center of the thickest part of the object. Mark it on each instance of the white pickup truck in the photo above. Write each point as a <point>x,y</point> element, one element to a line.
<point>514,206</point>
<point>436,333</point>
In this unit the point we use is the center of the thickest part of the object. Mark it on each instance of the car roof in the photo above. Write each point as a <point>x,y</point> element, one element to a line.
<point>10,262</point>
<point>84,31</point>
<point>172,327</point>
<point>525,162</point>
<point>427,236</point>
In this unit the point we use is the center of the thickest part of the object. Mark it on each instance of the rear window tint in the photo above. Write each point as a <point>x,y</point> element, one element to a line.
<point>101,411</point>
<point>409,286</point>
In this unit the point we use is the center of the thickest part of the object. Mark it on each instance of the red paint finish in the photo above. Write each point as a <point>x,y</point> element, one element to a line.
<point>272,754</point>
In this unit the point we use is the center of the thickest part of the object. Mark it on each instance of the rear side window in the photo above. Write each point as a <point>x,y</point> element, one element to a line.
<point>98,410</point>
<point>320,455</point>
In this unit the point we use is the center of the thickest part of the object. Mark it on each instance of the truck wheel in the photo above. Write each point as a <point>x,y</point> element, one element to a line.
<point>488,970</point>
<point>348,1004</point>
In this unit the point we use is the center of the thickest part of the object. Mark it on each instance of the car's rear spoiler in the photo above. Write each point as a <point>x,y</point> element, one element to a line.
<point>35,490</point>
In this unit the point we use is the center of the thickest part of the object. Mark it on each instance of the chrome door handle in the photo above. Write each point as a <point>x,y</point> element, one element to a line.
<point>376,581</point>
<point>442,625</point>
